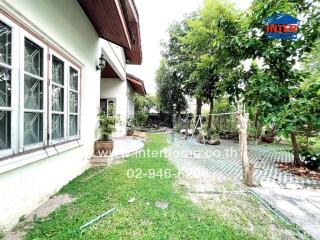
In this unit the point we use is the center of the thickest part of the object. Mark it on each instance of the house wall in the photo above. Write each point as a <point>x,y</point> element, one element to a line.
<point>26,182</point>
<point>116,88</point>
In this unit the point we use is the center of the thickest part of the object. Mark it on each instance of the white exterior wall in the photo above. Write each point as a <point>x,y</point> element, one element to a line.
<point>130,98</point>
<point>24,188</point>
<point>115,88</point>
<point>115,57</point>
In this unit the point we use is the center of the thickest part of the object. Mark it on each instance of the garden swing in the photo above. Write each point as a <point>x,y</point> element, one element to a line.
<point>241,123</point>
<point>222,123</point>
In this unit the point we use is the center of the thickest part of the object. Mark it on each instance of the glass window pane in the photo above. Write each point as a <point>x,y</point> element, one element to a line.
<point>57,126</point>
<point>111,108</point>
<point>33,93</point>
<point>33,59</point>
<point>73,125</point>
<point>5,43</point>
<point>33,128</point>
<point>74,76</point>
<point>57,99</point>
<point>5,87</point>
<point>103,104</point>
<point>5,130</point>
<point>73,102</point>
<point>57,71</point>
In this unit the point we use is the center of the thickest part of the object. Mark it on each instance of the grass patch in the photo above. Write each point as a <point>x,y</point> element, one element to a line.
<point>138,220</point>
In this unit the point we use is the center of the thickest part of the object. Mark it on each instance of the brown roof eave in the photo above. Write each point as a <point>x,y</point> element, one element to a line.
<point>137,84</point>
<point>107,17</point>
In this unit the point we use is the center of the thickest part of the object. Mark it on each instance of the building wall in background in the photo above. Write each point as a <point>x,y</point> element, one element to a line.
<point>115,88</point>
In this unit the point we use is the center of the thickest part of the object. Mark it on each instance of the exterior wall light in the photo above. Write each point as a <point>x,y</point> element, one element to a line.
<point>102,63</point>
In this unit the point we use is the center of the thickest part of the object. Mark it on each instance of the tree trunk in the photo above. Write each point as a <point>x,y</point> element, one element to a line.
<point>247,167</point>
<point>210,116</point>
<point>296,160</point>
<point>198,109</point>
<point>256,125</point>
<point>179,117</point>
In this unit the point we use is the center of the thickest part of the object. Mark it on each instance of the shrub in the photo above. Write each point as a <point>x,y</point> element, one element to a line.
<point>106,126</point>
<point>311,159</point>
<point>130,124</point>
<point>140,119</point>
<point>212,134</point>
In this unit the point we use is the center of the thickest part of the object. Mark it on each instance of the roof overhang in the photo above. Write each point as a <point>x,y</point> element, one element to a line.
<point>118,22</point>
<point>108,72</point>
<point>137,84</point>
<point>134,55</point>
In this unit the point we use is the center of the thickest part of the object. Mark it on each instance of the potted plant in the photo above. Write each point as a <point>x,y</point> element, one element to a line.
<point>106,127</point>
<point>130,126</point>
<point>268,136</point>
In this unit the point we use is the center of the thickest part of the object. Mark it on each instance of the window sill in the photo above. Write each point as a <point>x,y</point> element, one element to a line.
<point>24,159</point>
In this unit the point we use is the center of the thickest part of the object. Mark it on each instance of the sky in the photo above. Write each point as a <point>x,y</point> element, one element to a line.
<point>155,18</point>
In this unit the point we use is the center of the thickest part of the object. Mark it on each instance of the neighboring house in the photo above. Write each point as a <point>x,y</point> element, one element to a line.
<point>50,91</point>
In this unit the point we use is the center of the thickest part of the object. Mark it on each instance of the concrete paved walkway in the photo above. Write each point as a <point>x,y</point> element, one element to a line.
<point>125,146</point>
<point>224,160</point>
<point>122,147</point>
<point>221,164</point>
<point>300,206</point>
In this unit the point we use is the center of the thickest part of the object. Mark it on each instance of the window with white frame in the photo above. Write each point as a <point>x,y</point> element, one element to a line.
<point>58,99</point>
<point>130,108</point>
<point>33,82</point>
<point>73,102</point>
<point>38,108</point>
<point>108,105</point>
<point>5,85</point>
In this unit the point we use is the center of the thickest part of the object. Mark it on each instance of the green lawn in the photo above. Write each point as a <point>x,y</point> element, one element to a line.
<point>139,220</point>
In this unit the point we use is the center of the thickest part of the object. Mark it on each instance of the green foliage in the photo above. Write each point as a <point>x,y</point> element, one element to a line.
<point>2,234</point>
<point>221,51</point>
<point>311,65</point>
<point>270,87</point>
<point>311,159</point>
<point>200,47</point>
<point>145,103</point>
<point>140,119</point>
<point>302,116</point>
<point>222,105</point>
<point>169,90</point>
<point>131,123</point>
<point>212,133</point>
<point>106,125</point>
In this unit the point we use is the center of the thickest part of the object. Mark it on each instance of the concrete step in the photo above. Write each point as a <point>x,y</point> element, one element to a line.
<point>98,161</point>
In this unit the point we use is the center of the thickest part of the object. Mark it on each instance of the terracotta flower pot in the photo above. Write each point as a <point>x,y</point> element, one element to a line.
<point>103,148</point>
<point>129,132</point>
<point>267,139</point>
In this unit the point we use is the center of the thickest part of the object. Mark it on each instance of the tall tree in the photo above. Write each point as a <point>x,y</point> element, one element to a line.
<point>178,56</point>
<point>209,43</point>
<point>169,90</point>
<point>280,59</point>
